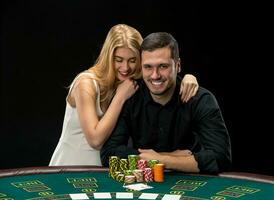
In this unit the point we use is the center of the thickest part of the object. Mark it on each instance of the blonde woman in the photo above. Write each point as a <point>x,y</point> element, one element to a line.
<point>96,97</point>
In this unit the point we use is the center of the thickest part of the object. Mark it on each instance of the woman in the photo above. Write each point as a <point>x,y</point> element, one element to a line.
<point>96,97</point>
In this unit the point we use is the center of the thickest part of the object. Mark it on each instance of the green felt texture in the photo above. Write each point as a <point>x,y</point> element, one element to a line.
<point>60,185</point>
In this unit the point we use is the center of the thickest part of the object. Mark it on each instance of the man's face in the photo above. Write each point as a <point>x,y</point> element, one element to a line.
<point>159,71</point>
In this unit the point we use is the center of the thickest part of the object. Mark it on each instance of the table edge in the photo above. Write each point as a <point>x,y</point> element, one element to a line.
<point>64,169</point>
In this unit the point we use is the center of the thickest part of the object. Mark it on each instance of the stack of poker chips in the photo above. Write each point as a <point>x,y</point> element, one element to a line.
<point>123,165</point>
<point>148,175</point>
<point>151,163</point>
<point>158,170</point>
<point>113,166</point>
<point>134,169</point>
<point>142,164</point>
<point>139,175</point>
<point>132,161</point>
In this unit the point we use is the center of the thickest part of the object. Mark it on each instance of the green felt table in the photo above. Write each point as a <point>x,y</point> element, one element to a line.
<point>58,182</point>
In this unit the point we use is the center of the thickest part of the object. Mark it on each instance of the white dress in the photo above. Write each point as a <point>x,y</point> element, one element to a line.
<point>73,148</point>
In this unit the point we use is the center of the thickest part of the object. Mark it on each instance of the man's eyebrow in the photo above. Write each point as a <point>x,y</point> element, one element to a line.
<point>147,65</point>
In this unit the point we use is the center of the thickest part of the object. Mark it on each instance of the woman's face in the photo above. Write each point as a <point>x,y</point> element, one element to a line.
<point>125,62</point>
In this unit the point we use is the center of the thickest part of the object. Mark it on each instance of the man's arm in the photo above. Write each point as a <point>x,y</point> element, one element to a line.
<point>211,131</point>
<point>181,160</point>
<point>117,144</point>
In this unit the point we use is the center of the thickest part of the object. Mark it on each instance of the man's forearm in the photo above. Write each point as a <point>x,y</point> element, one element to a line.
<point>177,153</point>
<point>181,163</point>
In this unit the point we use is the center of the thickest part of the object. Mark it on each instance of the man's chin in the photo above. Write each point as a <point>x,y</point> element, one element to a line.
<point>156,92</point>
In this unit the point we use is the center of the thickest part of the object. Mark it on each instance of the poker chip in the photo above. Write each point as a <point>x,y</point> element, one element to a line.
<point>158,172</point>
<point>113,166</point>
<point>115,174</point>
<point>132,161</point>
<point>120,177</point>
<point>123,164</point>
<point>142,164</point>
<point>148,175</point>
<point>128,172</point>
<point>151,163</point>
<point>139,174</point>
<point>129,179</point>
<point>134,169</point>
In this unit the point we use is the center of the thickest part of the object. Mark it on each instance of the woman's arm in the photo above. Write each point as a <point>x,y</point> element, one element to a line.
<point>189,87</point>
<point>98,130</point>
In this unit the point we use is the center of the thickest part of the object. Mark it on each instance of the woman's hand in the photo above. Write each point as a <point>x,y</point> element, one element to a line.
<point>189,87</point>
<point>127,88</point>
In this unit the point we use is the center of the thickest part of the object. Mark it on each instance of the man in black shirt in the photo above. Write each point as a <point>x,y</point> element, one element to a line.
<point>190,137</point>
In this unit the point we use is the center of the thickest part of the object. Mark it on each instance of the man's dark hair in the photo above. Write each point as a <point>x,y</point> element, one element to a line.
<point>160,40</point>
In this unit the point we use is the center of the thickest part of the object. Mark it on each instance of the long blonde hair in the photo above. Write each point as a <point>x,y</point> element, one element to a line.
<point>120,35</point>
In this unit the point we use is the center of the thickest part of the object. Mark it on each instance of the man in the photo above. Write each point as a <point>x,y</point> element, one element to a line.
<point>189,137</point>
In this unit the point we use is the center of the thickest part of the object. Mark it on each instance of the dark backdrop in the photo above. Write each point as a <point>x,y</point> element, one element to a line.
<point>44,44</point>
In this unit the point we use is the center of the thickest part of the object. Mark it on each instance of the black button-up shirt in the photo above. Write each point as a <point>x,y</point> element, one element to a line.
<point>197,125</point>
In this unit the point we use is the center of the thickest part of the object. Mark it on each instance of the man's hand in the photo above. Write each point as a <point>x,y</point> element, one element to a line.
<point>149,154</point>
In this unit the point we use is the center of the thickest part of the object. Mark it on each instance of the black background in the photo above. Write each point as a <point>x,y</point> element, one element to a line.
<point>44,44</point>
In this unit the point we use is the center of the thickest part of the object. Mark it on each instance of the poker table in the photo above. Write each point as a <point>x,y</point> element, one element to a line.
<point>45,183</point>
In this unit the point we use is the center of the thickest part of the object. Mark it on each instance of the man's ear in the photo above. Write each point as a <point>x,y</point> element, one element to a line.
<point>178,66</point>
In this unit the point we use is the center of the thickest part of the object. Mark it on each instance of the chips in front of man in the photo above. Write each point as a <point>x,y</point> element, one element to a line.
<point>133,169</point>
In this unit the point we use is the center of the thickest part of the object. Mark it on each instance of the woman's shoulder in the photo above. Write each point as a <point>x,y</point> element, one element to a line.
<point>85,74</point>
<point>84,81</point>
<point>85,77</point>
